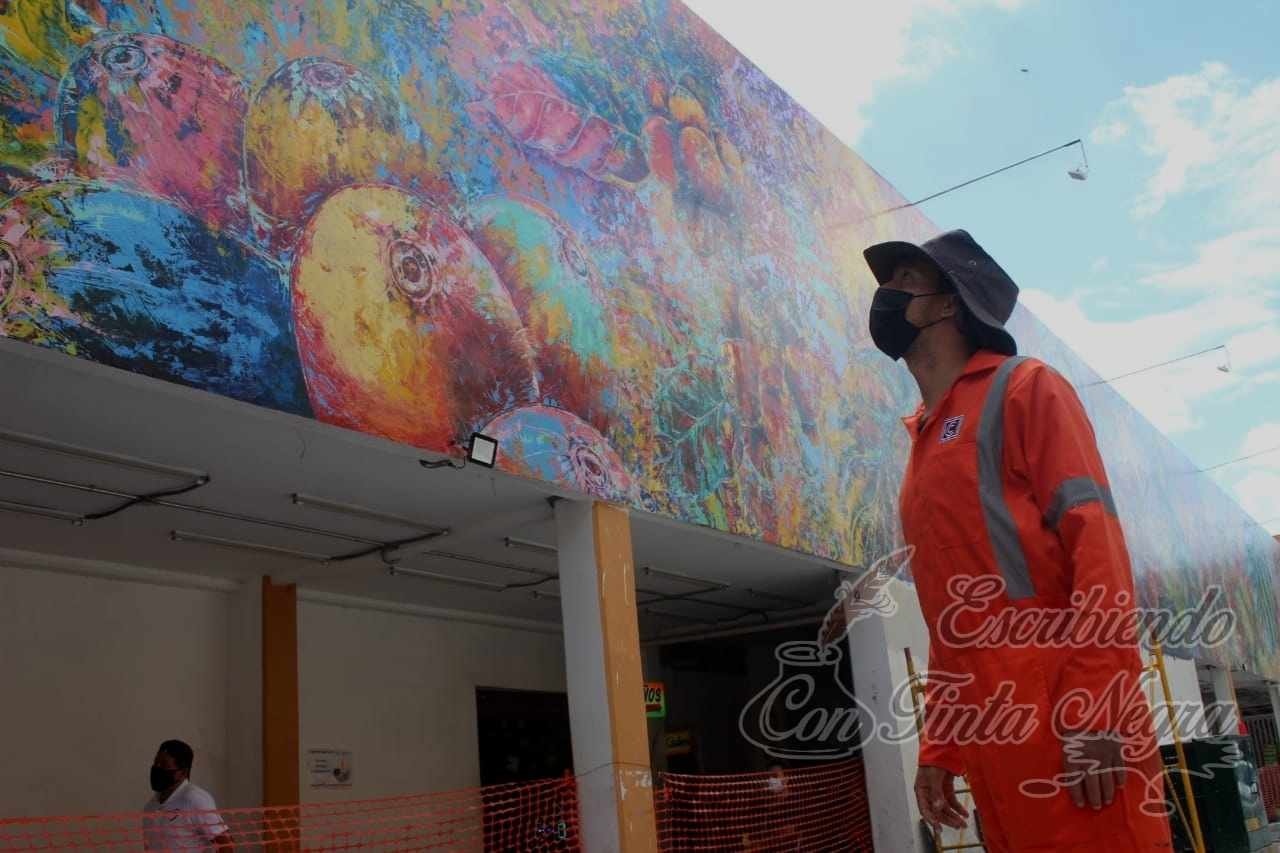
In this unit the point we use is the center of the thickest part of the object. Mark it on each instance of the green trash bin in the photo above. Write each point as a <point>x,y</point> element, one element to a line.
<point>1224,781</point>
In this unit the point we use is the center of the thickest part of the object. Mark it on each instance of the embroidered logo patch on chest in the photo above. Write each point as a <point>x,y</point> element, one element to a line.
<point>950,428</point>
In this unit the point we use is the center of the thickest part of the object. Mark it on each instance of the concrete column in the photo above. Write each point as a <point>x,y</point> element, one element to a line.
<point>244,699</point>
<point>602,664</point>
<point>1227,712</point>
<point>879,666</point>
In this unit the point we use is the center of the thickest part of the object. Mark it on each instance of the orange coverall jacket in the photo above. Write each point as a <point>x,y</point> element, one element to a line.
<point>1005,494</point>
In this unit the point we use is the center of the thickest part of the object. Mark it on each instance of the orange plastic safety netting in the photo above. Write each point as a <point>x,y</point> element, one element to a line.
<point>817,809</point>
<point>1269,781</point>
<point>541,816</point>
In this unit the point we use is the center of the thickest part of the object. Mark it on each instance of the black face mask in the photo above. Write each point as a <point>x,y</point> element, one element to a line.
<point>891,331</point>
<point>162,779</point>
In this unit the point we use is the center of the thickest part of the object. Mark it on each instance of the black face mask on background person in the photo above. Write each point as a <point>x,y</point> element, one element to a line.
<point>891,331</point>
<point>162,779</point>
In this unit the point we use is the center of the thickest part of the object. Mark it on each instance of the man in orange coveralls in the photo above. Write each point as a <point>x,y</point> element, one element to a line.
<point>1008,506</point>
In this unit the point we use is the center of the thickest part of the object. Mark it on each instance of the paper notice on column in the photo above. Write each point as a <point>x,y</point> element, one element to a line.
<point>329,768</point>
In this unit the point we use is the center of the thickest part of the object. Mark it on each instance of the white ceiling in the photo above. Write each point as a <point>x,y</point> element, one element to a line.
<point>1252,693</point>
<point>257,460</point>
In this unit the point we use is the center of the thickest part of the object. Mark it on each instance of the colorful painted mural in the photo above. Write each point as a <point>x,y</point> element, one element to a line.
<point>592,229</point>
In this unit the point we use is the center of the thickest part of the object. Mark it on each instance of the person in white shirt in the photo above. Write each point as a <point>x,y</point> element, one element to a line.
<point>181,815</point>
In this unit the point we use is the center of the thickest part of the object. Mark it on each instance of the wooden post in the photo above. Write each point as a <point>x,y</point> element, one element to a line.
<point>280,756</point>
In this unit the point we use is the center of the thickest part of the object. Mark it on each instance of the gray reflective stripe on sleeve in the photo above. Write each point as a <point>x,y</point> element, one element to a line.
<point>1073,493</point>
<point>1002,533</point>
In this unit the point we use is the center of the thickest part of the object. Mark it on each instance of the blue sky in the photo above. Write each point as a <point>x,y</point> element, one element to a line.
<point>1172,245</point>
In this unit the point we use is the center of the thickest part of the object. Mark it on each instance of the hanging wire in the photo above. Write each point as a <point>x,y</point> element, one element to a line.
<point>1154,366</point>
<point>984,177</point>
<point>990,174</point>
<point>151,498</point>
<point>1242,458</point>
<point>447,462</point>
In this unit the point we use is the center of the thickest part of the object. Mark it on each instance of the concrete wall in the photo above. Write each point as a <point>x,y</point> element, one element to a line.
<point>1188,705</point>
<point>398,690</point>
<point>99,663</point>
<point>96,672</point>
<point>706,694</point>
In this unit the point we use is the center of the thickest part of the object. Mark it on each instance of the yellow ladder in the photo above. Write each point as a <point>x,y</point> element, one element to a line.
<point>1190,817</point>
<point>917,708</point>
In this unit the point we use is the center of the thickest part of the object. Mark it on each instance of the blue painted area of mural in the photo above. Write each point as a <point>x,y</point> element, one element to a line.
<point>150,289</point>
<point>555,446</point>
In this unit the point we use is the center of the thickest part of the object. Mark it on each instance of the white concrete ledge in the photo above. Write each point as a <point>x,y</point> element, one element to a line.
<point>36,561</point>
<point>422,611</point>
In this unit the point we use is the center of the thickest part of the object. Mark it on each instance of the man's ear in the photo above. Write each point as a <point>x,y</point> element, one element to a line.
<point>951,307</point>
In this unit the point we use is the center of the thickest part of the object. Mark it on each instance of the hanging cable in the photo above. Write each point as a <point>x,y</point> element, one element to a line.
<point>151,498</point>
<point>1242,458</point>
<point>385,548</point>
<point>1224,369</point>
<point>940,193</point>
<point>443,463</point>
<point>214,512</point>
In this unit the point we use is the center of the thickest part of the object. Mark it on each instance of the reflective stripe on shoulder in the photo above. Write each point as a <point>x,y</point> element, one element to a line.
<point>1002,533</point>
<point>1073,493</point>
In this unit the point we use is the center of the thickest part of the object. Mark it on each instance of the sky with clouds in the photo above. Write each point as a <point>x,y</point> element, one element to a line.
<point>1170,247</point>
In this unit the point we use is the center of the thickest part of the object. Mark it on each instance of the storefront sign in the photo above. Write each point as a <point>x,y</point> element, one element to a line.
<point>655,700</point>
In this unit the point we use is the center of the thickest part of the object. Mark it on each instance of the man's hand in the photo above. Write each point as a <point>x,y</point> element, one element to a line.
<point>1094,762</point>
<point>936,798</point>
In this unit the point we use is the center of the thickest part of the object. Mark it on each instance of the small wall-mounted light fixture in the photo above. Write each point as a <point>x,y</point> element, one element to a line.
<point>483,450</point>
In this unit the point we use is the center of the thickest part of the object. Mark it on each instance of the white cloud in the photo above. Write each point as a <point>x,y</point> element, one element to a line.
<point>1169,396</point>
<point>1110,132</point>
<point>1259,493</point>
<point>1215,135</point>
<point>1270,376</point>
<point>1261,438</point>
<point>1259,348</point>
<point>1245,259</point>
<point>1176,397</point>
<point>1257,480</point>
<point>832,56</point>
<point>1208,130</point>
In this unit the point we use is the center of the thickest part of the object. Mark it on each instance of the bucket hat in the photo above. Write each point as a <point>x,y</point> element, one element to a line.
<point>983,286</point>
